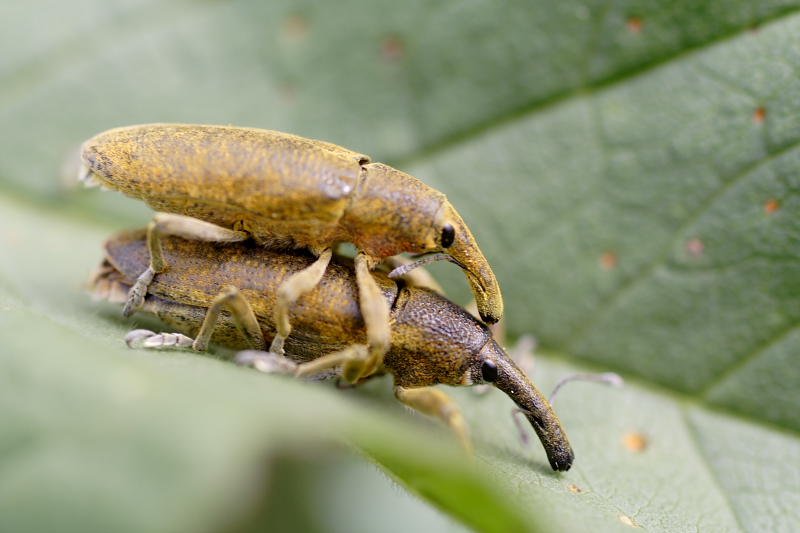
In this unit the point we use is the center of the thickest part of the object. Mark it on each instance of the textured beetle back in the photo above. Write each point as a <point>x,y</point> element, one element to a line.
<point>245,177</point>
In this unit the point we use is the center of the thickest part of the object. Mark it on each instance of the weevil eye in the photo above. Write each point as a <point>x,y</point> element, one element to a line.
<point>489,371</point>
<point>448,236</point>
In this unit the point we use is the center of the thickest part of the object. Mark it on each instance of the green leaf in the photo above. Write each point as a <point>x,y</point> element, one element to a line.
<point>660,228</point>
<point>629,168</point>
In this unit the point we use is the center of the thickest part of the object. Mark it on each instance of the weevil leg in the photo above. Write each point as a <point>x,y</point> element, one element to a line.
<point>290,290</point>
<point>419,277</point>
<point>138,291</point>
<point>242,314</point>
<point>267,362</point>
<point>356,352</point>
<point>271,363</point>
<point>437,404</point>
<point>230,298</point>
<point>180,226</point>
<point>375,311</point>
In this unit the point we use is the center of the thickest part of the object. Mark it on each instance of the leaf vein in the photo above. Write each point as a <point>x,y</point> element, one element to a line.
<point>691,430</point>
<point>743,361</point>
<point>544,103</point>
<point>645,273</point>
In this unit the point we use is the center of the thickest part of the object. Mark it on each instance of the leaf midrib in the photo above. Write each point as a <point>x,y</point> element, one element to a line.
<point>45,68</point>
<point>691,431</point>
<point>540,105</point>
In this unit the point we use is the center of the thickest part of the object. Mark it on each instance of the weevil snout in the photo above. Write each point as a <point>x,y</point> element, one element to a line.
<point>458,242</point>
<point>494,366</point>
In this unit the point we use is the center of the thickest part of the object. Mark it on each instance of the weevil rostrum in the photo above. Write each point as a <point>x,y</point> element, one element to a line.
<point>286,192</point>
<point>433,341</point>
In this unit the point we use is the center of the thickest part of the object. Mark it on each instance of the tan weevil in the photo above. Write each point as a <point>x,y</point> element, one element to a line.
<point>285,192</point>
<point>433,340</point>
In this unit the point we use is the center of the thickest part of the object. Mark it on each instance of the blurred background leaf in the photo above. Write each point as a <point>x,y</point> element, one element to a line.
<point>629,168</point>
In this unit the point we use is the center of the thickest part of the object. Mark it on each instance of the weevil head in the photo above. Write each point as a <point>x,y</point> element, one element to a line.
<point>493,365</point>
<point>395,213</point>
<point>436,342</point>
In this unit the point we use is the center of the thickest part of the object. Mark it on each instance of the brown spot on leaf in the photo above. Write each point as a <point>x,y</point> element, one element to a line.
<point>575,489</point>
<point>634,441</point>
<point>771,206</point>
<point>296,27</point>
<point>287,92</point>
<point>393,48</point>
<point>695,247</point>
<point>608,260</point>
<point>635,24</point>
<point>760,115</point>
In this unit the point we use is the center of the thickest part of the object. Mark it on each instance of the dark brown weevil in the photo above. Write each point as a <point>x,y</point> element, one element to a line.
<point>433,340</point>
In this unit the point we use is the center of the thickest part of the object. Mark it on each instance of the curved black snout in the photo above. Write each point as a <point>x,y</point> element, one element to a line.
<point>539,412</point>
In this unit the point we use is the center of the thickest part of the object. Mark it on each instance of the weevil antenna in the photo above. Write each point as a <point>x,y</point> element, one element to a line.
<point>402,270</point>
<point>523,435</point>
<point>607,378</point>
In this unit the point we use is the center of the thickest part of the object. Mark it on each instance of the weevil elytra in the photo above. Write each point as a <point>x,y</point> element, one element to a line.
<point>433,340</point>
<point>285,192</point>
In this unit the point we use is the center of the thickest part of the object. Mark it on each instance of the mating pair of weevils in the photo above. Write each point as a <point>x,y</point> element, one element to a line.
<point>248,222</point>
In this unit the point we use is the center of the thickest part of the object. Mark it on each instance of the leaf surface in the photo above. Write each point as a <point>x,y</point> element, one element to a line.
<point>630,170</point>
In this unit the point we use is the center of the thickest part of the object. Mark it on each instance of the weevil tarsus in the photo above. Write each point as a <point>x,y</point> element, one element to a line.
<point>138,292</point>
<point>272,363</point>
<point>266,362</point>
<point>144,338</point>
